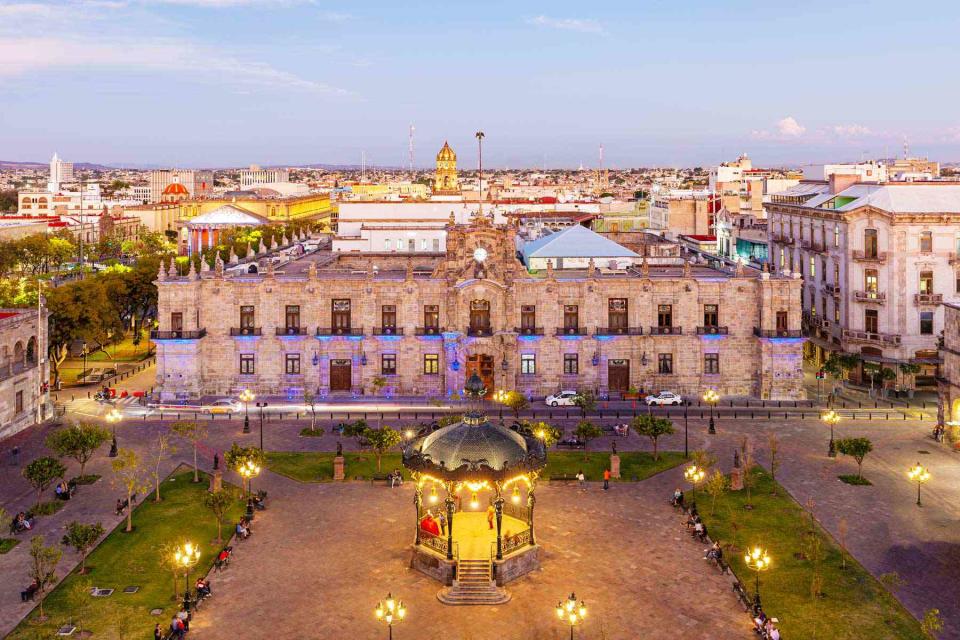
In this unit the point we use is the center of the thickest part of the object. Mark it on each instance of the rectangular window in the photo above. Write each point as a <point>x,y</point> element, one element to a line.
<point>528,317</point>
<point>617,313</point>
<point>571,364</point>
<point>387,244</point>
<point>926,282</point>
<point>431,316</point>
<point>870,281</point>
<point>711,315</point>
<point>665,316</point>
<point>528,364</point>
<point>246,364</point>
<point>781,321</point>
<point>836,310</point>
<point>399,244</point>
<point>292,364</point>
<point>340,310</point>
<point>836,235</point>
<point>823,306</point>
<point>870,244</point>
<point>926,323</point>
<point>823,270</point>
<point>836,274</point>
<point>711,363</point>
<point>293,316</point>
<point>431,364</point>
<point>813,267</point>
<point>388,316</point>
<point>571,316</point>
<point>665,363</point>
<point>246,317</point>
<point>176,321</point>
<point>871,323</point>
<point>388,364</point>
<point>926,241</point>
<point>18,402</point>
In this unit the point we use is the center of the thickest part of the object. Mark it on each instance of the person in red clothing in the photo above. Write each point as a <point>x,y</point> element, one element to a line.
<point>606,479</point>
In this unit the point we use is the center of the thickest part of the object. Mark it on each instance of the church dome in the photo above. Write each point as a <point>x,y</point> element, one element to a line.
<point>446,153</point>
<point>175,189</point>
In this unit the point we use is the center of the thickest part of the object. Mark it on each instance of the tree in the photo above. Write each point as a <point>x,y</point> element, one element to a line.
<point>587,402</point>
<point>774,443</point>
<point>856,448</point>
<point>378,383</point>
<point>839,365</point>
<point>932,623</point>
<point>310,398</point>
<point>382,440</point>
<point>79,442</point>
<point>218,502</point>
<point>652,427</point>
<point>547,434</point>
<point>585,432</point>
<point>80,603</point>
<point>81,537</point>
<point>194,433</point>
<point>43,566</point>
<point>517,402</point>
<point>716,484</point>
<point>163,445</point>
<point>40,473</point>
<point>128,474</point>
<point>355,429</point>
<point>237,457</point>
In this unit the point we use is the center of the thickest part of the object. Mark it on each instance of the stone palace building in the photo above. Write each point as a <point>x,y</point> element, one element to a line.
<point>398,324</point>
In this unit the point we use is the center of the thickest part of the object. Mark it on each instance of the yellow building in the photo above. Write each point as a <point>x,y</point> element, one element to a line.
<point>446,182</point>
<point>315,208</point>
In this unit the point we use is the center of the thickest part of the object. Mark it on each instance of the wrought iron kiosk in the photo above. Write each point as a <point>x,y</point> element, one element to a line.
<point>451,466</point>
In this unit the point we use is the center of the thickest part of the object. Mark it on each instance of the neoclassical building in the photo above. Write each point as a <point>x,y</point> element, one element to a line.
<point>24,369</point>
<point>420,325</point>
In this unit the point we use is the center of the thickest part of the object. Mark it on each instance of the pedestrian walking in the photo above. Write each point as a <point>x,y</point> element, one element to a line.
<point>606,479</point>
<point>581,480</point>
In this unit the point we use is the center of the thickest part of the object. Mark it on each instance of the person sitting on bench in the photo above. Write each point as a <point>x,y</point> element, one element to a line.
<point>203,588</point>
<point>27,594</point>
<point>395,478</point>
<point>243,532</point>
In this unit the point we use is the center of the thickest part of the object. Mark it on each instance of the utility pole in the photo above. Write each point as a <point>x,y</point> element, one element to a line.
<point>480,136</point>
<point>412,129</point>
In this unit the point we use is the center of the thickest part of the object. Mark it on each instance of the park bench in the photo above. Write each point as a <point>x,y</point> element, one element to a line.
<point>570,444</point>
<point>564,478</point>
<point>742,595</point>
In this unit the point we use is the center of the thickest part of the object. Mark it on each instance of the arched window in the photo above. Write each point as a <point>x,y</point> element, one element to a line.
<point>32,350</point>
<point>18,352</point>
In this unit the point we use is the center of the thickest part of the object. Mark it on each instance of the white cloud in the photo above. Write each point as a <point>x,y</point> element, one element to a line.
<point>21,56</point>
<point>850,130</point>
<point>567,24</point>
<point>785,129</point>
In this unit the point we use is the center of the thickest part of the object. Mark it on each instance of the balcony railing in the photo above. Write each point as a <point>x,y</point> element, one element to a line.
<point>194,334</point>
<point>571,331</point>
<point>340,331</point>
<point>780,239</point>
<point>529,331</point>
<point>711,331</point>
<point>388,331</point>
<point>246,331</point>
<point>892,339</point>
<point>291,331</point>
<point>812,245</point>
<point>429,331</point>
<point>812,320</point>
<point>479,332</point>
<point>832,289</point>
<point>862,256</point>
<point>876,297</point>
<point>777,333</point>
<point>15,369</point>
<point>928,298</point>
<point>666,331</point>
<point>618,331</point>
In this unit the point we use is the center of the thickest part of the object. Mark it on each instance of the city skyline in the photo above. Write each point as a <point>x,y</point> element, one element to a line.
<point>291,82</point>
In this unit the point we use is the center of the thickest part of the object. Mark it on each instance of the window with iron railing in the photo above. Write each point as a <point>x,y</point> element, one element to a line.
<point>664,316</point>
<point>711,315</point>
<point>247,318</point>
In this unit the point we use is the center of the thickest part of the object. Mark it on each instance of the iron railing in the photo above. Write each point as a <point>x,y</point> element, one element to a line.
<point>712,330</point>
<point>666,331</point>
<point>194,334</point>
<point>618,331</point>
<point>246,331</point>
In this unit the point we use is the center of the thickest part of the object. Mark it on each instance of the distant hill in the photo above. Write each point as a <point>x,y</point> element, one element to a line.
<point>83,166</point>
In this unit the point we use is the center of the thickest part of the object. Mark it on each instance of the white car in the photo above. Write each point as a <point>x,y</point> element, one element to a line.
<point>664,397</point>
<point>226,405</point>
<point>561,399</point>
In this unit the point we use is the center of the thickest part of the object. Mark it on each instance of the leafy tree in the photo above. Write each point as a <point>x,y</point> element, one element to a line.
<point>382,440</point>
<point>586,401</point>
<point>43,566</point>
<point>128,473</point>
<point>378,383</point>
<point>652,427</point>
<point>79,311</point>
<point>856,448</point>
<point>81,537</point>
<point>517,402</point>
<point>218,502</point>
<point>715,485</point>
<point>237,457</point>
<point>40,473</point>
<point>80,603</point>
<point>79,442</point>
<point>839,365</point>
<point>355,429</point>
<point>587,431</point>
<point>194,433</point>
<point>547,434</point>
<point>163,446</point>
<point>932,623</point>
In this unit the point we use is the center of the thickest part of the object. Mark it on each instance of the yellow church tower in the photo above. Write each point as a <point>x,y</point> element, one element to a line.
<point>446,182</point>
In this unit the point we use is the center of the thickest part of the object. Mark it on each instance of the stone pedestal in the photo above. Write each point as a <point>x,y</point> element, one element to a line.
<point>338,468</point>
<point>615,466</point>
<point>216,481</point>
<point>736,479</point>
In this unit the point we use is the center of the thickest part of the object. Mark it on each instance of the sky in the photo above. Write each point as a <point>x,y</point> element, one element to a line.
<point>285,82</point>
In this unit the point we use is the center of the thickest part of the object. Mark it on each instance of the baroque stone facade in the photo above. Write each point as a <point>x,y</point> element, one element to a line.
<point>420,325</point>
<point>24,373</point>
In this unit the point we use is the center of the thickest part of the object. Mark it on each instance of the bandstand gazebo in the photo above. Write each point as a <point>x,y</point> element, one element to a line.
<point>474,497</point>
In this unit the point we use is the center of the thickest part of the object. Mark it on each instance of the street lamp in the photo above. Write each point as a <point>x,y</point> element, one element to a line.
<point>831,418</point>
<point>757,560</point>
<point>113,417</point>
<point>500,397</point>
<point>261,405</point>
<point>694,475</point>
<point>711,397</point>
<point>391,612</point>
<point>572,613</point>
<point>246,397</point>
<point>185,557</point>
<point>918,474</point>
<point>248,471</point>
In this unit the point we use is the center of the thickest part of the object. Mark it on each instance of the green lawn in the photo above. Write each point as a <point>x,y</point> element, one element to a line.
<point>126,559</point>
<point>318,466</point>
<point>8,543</point>
<point>853,604</point>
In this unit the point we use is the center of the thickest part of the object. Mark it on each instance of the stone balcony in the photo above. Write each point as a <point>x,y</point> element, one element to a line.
<point>528,331</point>
<point>780,239</point>
<point>859,255</point>
<point>571,331</point>
<point>777,333</point>
<point>291,331</point>
<point>15,369</point>
<point>180,334</point>
<point>870,337</point>
<point>875,297</point>
<point>246,331</point>
<point>832,289</point>
<point>813,245</point>
<point>618,331</point>
<point>666,331</point>
<point>712,331</point>
<point>931,299</point>
<point>388,331</point>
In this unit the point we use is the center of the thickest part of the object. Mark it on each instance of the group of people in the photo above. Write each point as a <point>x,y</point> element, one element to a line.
<point>179,626</point>
<point>243,528</point>
<point>765,627</point>
<point>436,525</point>
<point>123,504</point>
<point>64,490</point>
<point>696,527</point>
<point>20,523</point>
<point>223,558</point>
<point>27,594</point>
<point>395,478</point>
<point>677,500</point>
<point>203,588</point>
<point>938,432</point>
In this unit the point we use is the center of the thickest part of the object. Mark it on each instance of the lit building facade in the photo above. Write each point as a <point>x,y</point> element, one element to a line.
<point>24,370</point>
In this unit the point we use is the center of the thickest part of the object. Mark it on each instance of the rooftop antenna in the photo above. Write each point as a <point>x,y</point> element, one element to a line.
<point>410,146</point>
<point>906,148</point>
<point>363,166</point>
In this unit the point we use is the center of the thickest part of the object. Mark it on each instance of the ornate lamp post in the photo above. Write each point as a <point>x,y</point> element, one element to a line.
<point>694,475</point>
<point>918,474</point>
<point>246,397</point>
<point>261,406</point>
<point>571,612</point>
<point>113,417</point>
<point>757,560</point>
<point>500,396</point>
<point>185,557</point>
<point>711,397</point>
<point>831,418</point>
<point>391,612</point>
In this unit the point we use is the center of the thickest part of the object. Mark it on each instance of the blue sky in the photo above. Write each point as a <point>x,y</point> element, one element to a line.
<point>233,82</point>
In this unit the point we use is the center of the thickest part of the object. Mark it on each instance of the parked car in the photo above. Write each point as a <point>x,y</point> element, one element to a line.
<point>562,398</point>
<point>664,397</point>
<point>226,405</point>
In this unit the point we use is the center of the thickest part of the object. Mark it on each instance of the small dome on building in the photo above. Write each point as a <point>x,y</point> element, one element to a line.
<point>446,153</point>
<point>175,189</point>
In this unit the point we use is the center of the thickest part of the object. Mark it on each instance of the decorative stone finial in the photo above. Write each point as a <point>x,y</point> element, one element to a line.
<point>592,269</point>
<point>172,272</point>
<point>192,274</point>
<point>161,274</point>
<point>645,268</point>
<point>409,274</point>
<point>549,268</point>
<point>686,269</point>
<point>204,266</point>
<point>234,259</point>
<point>218,266</point>
<point>738,271</point>
<point>312,271</point>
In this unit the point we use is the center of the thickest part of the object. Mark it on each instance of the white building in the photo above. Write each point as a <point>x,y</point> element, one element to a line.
<point>256,176</point>
<point>866,171</point>
<point>60,173</point>
<point>574,248</point>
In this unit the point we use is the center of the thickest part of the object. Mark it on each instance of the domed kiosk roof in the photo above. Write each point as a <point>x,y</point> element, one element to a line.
<point>474,449</point>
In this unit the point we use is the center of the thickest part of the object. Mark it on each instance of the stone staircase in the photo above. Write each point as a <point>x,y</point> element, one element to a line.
<point>473,586</point>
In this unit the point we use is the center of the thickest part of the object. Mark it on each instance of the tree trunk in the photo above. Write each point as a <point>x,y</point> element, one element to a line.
<point>656,455</point>
<point>196,473</point>
<point>219,530</point>
<point>83,465</point>
<point>129,512</point>
<point>378,463</point>
<point>39,497</point>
